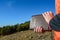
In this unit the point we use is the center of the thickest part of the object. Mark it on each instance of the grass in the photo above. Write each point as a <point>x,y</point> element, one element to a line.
<point>28,35</point>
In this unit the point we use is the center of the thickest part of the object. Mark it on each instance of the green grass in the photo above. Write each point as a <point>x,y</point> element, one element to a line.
<point>28,35</point>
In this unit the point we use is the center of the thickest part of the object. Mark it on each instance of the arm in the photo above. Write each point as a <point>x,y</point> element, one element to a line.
<point>55,23</point>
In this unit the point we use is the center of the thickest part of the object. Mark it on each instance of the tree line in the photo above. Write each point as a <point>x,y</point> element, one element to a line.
<point>6,30</point>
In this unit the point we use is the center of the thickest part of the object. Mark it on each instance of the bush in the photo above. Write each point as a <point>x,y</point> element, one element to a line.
<point>5,30</point>
<point>23,26</point>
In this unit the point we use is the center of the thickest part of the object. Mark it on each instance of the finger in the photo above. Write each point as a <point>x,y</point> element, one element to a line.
<point>51,13</point>
<point>41,29</point>
<point>36,29</point>
<point>44,14</point>
<point>47,14</point>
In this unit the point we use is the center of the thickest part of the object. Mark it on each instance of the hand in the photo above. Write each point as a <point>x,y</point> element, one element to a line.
<point>48,16</point>
<point>39,29</point>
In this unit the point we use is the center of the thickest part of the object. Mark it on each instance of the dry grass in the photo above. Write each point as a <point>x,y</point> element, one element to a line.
<point>28,35</point>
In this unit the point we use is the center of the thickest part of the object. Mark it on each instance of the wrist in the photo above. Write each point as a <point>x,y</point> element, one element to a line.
<point>49,28</point>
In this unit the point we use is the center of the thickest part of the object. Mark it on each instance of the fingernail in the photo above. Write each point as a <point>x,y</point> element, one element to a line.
<point>50,12</point>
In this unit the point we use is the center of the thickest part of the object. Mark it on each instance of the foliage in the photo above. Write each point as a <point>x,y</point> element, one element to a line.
<point>6,30</point>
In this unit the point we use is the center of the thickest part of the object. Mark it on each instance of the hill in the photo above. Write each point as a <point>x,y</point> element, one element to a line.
<point>28,35</point>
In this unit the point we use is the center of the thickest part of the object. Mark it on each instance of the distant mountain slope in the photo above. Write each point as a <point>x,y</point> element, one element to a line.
<point>28,35</point>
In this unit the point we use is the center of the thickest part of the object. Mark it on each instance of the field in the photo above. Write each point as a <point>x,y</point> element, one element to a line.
<point>28,35</point>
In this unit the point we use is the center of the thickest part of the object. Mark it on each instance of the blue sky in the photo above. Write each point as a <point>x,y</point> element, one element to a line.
<point>19,11</point>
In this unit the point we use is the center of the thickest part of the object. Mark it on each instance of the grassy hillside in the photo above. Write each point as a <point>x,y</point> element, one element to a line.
<point>28,35</point>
